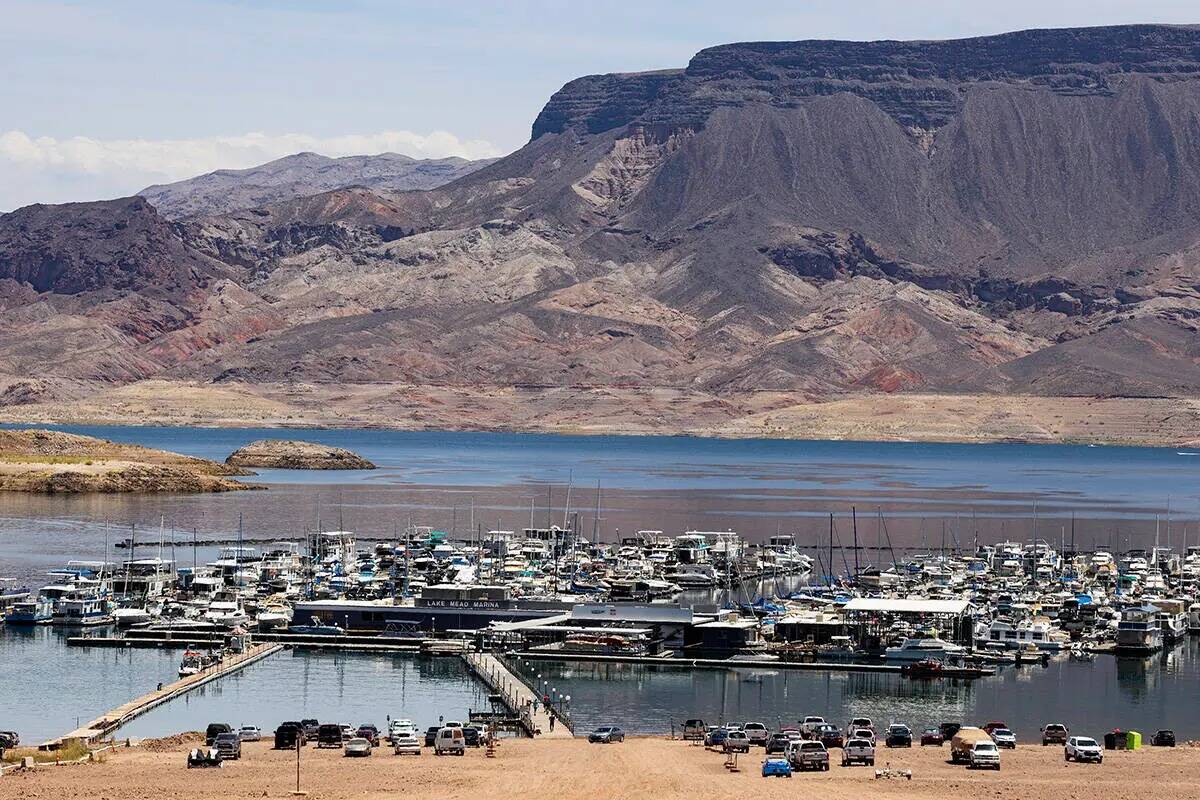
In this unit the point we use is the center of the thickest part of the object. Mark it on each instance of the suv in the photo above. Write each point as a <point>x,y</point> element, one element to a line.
<point>1003,737</point>
<point>369,732</point>
<point>214,730</point>
<point>736,741</point>
<point>861,722</point>
<point>329,735</point>
<point>777,743</point>
<point>830,736</point>
<point>899,736</point>
<point>228,745</point>
<point>1054,733</point>
<point>289,735</point>
<point>431,735</point>
<point>858,751</point>
<point>1083,748</point>
<point>311,726</point>
<point>984,755</point>
<point>757,732</point>
<point>1163,738</point>
<point>694,729</point>
<point>808,755</point>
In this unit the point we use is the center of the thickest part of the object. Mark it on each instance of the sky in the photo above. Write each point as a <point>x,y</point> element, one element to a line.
<point>100,99</point>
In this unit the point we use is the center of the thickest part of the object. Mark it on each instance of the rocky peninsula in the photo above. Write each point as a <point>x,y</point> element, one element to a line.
<point>289,454</point>
<point>52,462</point>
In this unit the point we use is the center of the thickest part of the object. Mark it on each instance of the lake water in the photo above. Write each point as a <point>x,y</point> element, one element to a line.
<point>50,688</point>
<point>916,495</point>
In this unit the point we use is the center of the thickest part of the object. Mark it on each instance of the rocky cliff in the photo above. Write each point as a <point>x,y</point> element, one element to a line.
<point>287,454</point>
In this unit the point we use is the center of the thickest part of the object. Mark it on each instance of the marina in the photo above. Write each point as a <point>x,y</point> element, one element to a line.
<point>855,602</point>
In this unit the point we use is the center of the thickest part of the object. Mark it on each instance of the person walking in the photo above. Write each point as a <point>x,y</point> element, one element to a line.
<point>552,722</point>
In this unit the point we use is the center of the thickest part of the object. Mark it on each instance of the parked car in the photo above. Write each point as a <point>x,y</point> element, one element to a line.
<point>249,733</point>
<point>736,741</point>
<point>716,737</point>
<point>1054,733</point>
<point>329,735</point>
<point>776,767</point>
<point>1163,738</point>
<point>991,726</point>
<point>311,726</point>
<point>214,730</point>
<point>358,746</point>
<point>861,722</point>
<point>406,743</point>
<point>948,729</point>
<point>606,734</point>
<point>228,745</point>
<point>694,729</point>
<point>757,733</point>
<point>473,735</point>
<point>348,733</point>
<point>808,754</point>
<point>450,741</point>
<point>932,737</point>
<point>369,732</point>
<point>1083,748</point>
<point>858,751</point>
<point>288,734</point>
<point>1003,737</point>
<point>777,744</point>
<point>830,736</point>
<point>810,725</point>
<point>431,735</point>
<point>899,736</point>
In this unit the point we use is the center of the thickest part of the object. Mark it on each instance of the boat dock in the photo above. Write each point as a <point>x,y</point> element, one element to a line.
<point>747,663</point>
<point>150,638</point>
<point>114,719</point>
<point>517,696</point>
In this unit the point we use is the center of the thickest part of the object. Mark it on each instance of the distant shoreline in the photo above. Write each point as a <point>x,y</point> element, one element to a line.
<point>631,411</point>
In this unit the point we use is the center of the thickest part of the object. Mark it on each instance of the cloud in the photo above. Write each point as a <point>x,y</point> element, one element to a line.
<point>48,170</point>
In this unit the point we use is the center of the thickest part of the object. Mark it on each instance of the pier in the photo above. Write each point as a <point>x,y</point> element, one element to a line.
<point>123,714</point>
<point>517,696</point>
<point>747,663</point>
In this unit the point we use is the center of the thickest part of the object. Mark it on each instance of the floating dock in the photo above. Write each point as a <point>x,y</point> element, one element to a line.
<point>516,696</point>
<point>747,663</point>
<point>150,638</point>
<point>111,721</point>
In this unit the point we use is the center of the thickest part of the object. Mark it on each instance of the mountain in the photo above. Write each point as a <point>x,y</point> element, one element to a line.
<point>298,175</point>
<point>777,227</point>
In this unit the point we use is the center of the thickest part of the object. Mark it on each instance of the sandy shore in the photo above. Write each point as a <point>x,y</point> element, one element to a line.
<point>639,768</point>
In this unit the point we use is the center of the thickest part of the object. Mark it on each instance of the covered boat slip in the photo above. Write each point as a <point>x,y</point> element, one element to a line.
<point>873,617</point>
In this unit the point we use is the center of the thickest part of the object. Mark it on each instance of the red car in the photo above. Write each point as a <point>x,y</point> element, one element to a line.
<point>991,726</point>
<point>932,737</point>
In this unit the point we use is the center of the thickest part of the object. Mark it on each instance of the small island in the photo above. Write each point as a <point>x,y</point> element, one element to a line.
<point>288,454</point>
<point>52,462</point>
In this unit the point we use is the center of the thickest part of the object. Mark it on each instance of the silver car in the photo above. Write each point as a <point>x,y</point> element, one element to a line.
<point>358,746</point>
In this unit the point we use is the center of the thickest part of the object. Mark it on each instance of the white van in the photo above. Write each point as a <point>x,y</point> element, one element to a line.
<point>450,741</point>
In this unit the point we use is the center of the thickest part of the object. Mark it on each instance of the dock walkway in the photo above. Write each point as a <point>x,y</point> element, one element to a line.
<point>135,708</point>
<point>516,695</point>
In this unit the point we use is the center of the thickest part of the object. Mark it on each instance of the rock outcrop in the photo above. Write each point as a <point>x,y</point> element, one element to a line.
<point>52,462</point>
<point>300,175</point>
<point>287,454</point>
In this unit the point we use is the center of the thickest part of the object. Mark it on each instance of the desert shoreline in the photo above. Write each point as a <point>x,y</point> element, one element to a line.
<point>567,769</point>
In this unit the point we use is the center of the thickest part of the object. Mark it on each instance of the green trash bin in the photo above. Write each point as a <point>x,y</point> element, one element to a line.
<point>1133,740</point>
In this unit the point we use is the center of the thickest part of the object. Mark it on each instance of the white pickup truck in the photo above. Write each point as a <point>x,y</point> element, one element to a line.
<point>858,751</point>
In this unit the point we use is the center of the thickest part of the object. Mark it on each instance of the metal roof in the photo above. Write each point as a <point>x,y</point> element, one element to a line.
<point>889,605</point>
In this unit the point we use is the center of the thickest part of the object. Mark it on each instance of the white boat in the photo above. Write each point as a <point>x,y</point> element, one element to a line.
<point>919,649</point>
<point>1015,635</point>
<point>131,617</point>
<point>1194,618</point>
